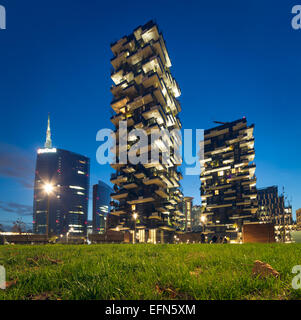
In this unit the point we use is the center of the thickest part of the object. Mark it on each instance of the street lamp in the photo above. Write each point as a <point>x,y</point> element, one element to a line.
<point>71,230</point>
<point>135,216</point>
<point>203,220</point>
<point>48,188</point>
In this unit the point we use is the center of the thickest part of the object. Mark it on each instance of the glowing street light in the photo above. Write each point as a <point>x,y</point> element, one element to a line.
<point>135,216</point>
<point>203,220</point>
<point>71,230</point>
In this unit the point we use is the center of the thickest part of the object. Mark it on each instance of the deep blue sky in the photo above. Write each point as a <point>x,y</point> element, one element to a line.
<point>230,58</point>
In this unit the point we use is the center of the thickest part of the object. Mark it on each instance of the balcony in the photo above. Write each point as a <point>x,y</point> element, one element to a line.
<point>117,166</point>
<point>139,55</point>
<point>121,58</point>
<point>117,179</point>
<point>153,64</point>
<point>117,77</point>
<point>154,180</point>
<point>129,169</point>
<point>140,101</point>
<point>152,80</point>
<point>116,118</point>
<point>161,192</point>
<point>140,175</point>
<point>130,185</point>
<point>162,209</point>
<point>156,113</point>
<point>160,98</point>
<point>150,34</point>
<point>141,199</point>
<point>119,195</point>
<point>225,205</point>
<point>156,165</point>
<point>117,46</point>
<point>121,117</point>
<point>117,212</point>
<point>155,215</point>
<point>166,179</point>
<point>119,103</point>
<point>152,127</point>
<point>175,183</point>
<point>173,201</point>
<point>160,48</point>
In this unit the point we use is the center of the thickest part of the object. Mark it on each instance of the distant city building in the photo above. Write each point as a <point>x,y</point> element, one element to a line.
<point>101,206</point>
<point>272,209</point>
<point>270,205</point>
<point>145,95</point>
<point>298,217</point>
<point>68,175</point>
<point>197,224</point>
<point>187,209</point>
<point>228,182</point>
<point>89,227</point>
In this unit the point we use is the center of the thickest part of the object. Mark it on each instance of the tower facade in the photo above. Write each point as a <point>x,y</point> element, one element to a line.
<point>187,210</point>
<point>270,205</point>
<point>228,182</point>
<point>146,195</point>
<point>273,209</point>
<point>101,206</point>
<point>67,173</point>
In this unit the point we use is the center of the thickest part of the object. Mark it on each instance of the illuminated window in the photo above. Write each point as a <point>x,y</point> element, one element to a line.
<point>76,187</point>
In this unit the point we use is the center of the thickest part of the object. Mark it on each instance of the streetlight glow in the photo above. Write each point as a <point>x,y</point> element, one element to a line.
<point>135,216</point>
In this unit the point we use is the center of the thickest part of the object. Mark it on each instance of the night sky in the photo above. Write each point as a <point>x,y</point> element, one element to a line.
<point>230,58</point>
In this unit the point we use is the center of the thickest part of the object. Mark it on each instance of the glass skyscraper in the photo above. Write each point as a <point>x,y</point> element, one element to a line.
<point>101,206</point>
<point>67,175</point>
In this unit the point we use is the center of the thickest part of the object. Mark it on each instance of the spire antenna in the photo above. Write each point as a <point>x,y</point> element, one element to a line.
<point>48,143</point>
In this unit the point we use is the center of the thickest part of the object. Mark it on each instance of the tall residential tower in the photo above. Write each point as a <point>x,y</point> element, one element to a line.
<point>228,183</point>
<point>145,96</point>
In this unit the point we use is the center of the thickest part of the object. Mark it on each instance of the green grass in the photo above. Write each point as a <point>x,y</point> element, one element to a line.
<point>145,271</point>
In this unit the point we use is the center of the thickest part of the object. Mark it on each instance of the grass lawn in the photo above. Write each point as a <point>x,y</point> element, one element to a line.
<point>145,271</point>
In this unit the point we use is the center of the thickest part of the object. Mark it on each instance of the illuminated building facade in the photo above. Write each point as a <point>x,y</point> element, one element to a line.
<point>101,206</point>
<point>197,223</point>
<point>270,205</point>
<point>68,174</point>
<point>228,182</point>
<point>187,211</point>
<point>272,209</point>
<point>145,96</point>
